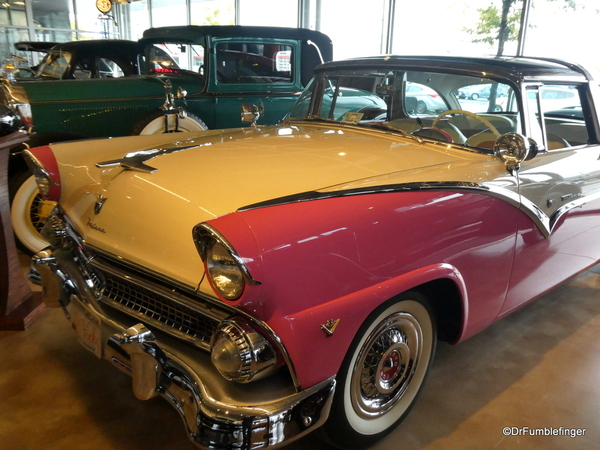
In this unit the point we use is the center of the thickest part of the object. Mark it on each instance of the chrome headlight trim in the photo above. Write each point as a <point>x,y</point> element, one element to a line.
<point>44,180</point>
<point>205,237</point>
<point>240,353</point>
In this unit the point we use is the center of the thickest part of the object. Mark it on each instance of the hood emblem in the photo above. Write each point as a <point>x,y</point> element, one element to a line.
<point>99,204</point>
<point>330,326</point>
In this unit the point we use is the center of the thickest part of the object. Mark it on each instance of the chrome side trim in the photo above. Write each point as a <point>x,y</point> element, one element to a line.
<point>546,224</point>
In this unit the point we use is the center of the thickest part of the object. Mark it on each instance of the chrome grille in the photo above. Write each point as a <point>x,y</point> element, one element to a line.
<point>158,302</point>
<point>141,302</point>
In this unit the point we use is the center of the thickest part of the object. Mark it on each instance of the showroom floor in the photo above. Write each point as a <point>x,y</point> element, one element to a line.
<point>537,368</point>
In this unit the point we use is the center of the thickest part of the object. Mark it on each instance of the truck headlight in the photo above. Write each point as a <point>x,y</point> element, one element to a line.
<point>240,353</point>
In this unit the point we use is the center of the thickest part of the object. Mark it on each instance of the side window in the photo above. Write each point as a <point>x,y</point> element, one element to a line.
<point>254,63</point>
<point>563,117</point>
<point>83,69</point>
<point>55,65</point>
<point>107,68</point>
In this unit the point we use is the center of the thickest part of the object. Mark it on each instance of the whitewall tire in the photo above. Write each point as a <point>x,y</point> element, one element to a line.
<point>383,372</point>
<point>28,213</point>
<point>154,123</point>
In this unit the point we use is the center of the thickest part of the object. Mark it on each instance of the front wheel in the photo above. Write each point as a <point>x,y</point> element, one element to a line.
<point>29,212</point>
<point>154,123</point>
<point>383,372</point>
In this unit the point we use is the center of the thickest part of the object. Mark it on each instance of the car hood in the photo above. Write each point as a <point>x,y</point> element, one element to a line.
<point>149,191</point>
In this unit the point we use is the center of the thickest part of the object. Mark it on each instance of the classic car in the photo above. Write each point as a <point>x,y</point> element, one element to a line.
<point>209,71</point>
<point>274,280</point>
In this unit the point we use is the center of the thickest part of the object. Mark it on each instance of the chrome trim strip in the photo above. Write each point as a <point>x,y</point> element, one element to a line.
<point>545,224</point>
<point>99,100</point>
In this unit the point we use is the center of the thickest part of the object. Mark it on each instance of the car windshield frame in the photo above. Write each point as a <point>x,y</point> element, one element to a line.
<point>388,98</point>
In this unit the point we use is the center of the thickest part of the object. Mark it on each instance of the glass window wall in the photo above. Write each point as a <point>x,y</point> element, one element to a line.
<point>274,13</point>
<point>169,12</point>
<point>212,12</point>
<point>557,28</point>
<point>564,30</point>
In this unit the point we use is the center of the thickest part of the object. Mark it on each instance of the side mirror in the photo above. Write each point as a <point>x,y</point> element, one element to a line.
<point>513,148</point>
<point>251,113</point>
<point>9,121</point>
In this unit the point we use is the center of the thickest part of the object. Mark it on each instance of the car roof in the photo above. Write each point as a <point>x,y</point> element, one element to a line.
<point>34,46</point>
<point>120,45</point>
<point>513,68</point>
<point>192,32</point>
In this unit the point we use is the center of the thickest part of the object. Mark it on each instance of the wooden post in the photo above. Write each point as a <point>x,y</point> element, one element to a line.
<point>19,306</point>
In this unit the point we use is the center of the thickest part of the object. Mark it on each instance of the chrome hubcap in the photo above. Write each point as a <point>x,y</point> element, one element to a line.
<point>386,365</point>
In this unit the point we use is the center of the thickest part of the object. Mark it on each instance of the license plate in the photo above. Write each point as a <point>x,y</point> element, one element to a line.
<point>87,328</point>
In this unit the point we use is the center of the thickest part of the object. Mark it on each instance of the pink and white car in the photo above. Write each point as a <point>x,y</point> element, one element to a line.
<point>268,281</point>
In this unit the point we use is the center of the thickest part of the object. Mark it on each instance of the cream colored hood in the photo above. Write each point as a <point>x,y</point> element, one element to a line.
<point>148,217</point>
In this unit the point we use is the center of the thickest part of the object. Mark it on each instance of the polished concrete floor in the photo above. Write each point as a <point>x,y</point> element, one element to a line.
<point>538,368</point>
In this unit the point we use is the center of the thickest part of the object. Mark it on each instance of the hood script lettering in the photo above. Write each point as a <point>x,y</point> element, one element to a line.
<point>93,226</point>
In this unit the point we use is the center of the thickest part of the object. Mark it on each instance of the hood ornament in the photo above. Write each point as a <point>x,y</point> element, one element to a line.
<point>137,160</point>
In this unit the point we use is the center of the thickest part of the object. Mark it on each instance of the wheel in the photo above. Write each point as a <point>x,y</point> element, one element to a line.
<point>474,96</point>
<point>154,123</point>
<point>421,107</point>
<point>382,373</point>
<point>29,212</point>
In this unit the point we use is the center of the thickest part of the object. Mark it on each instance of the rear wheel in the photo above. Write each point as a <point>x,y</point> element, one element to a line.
<point>154,123</point>
<point>383,372</point>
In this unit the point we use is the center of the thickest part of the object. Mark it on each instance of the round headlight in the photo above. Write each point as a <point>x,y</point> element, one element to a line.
<point>225,275</point>
<point>240,353</point>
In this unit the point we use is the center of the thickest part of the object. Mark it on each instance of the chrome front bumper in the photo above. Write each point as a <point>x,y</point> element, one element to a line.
<point>183,376</point>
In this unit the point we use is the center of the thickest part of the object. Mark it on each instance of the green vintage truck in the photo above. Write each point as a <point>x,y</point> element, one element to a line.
<point>188,78</point>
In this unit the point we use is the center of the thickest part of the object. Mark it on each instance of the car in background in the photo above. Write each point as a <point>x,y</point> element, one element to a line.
<point>559,97</point>
<point>477,91</point>
<point>182,78</point>
<point>426,99</point>
<point>271,281</point>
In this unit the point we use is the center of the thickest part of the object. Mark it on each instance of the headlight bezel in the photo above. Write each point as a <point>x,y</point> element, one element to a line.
<point>206,238</point>
<point>43,165</point>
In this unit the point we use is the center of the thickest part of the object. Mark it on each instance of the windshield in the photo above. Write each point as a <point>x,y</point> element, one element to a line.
<point>55,65</point>
<point>453,108</point>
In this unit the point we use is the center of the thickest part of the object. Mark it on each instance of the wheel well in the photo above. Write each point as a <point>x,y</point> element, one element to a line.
<point>445,299</point>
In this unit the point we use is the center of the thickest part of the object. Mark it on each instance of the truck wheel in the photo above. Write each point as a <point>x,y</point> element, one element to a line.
<point>29,212</point>
<point>154,123</point>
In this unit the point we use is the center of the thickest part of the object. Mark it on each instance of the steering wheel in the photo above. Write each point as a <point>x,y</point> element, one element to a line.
<point>483,120</point>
